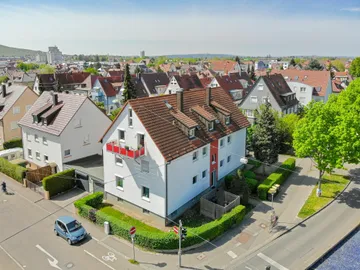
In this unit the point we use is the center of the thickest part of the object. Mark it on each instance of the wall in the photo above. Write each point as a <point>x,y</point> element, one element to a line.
<point>28,97</point>
<point>93,124</point>
<point>172,87</point>
<point>307,95</point>
<point>328,90</point>
<point>1,133</point>
<point>130,170</point>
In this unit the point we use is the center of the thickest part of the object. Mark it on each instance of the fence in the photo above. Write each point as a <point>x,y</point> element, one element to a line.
<point>36,176</point>
<point>37,187</point>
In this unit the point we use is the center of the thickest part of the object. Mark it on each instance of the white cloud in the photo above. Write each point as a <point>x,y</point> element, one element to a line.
<point>353,9</point>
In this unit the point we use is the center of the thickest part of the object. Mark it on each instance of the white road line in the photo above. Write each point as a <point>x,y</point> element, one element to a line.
<point>237,244</point>
<point>87,252</point>
<point>11,257</point>
<point>231,254</point>
<point>271,261</point>
<point>97,240</point>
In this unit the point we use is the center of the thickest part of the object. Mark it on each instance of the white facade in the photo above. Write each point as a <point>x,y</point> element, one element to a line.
<point>303,92</point>
<point>172,87</point>
<point>54,56</point>
<point>81,136</point>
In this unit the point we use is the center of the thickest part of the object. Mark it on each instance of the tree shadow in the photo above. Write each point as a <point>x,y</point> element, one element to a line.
<point>160,264</point>
<point>211,268</point>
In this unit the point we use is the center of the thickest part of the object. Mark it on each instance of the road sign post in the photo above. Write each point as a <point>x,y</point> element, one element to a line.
<point>132,232</point>
<point>179,233</point>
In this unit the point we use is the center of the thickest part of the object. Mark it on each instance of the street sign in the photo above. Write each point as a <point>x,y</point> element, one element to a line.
<point>132,231</point>
<point>176,230</point>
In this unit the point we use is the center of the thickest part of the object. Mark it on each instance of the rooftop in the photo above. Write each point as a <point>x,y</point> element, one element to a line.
<point>91,165</point>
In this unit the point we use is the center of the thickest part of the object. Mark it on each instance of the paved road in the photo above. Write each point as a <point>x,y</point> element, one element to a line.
<point>303,245</point>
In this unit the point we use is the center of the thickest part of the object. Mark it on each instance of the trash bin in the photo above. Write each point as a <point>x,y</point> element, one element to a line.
<point>107,227</point>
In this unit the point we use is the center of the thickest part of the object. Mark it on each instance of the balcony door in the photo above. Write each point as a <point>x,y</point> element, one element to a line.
<point>141,139</point>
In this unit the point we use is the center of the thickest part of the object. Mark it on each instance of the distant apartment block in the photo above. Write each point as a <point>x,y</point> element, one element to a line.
<point>54,55</point>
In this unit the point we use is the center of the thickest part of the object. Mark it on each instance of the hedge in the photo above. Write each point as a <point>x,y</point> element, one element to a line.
<point>250,174</point>
<point>13,143</point>
<point>254,162</point>
<point>252,184</point>
<point>278,177</point>
<point>12,170</point>
<point>159,240</point>
<point>59,182</point>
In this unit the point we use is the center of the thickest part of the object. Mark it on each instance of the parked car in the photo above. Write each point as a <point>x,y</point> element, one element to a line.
<point>69,229</point>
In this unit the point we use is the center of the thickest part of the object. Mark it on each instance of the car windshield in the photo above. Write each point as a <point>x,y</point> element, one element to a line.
<point>73,226</point>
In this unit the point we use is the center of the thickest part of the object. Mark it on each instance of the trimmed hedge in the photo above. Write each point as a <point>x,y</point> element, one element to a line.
<point>256,163</point>
<point>159,240</point>
<point>252,184</point>
<point>12,170</point>
<point>278,177</point>
<point>13,143</point>
<point>249,174</point>
<point>59,182</point>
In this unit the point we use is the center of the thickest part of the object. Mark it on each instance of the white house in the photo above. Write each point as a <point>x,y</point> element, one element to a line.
<point>185,82</point>
<point>162,153</point>
<point>60,128</point>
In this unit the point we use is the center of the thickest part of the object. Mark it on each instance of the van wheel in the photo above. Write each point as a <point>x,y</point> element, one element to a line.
<point>69,242</point>
<point>56,233</point>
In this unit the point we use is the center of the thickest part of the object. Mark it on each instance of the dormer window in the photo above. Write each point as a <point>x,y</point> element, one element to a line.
<point>211,125</point>
<point>227,120</point>
<point>35,119</point>
<point>191,133</point>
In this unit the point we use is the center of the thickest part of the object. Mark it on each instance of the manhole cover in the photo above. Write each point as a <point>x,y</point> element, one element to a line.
<point>201,256</point>
<point>69,265</point>
<point>262,225</point>
<point>244,237</point>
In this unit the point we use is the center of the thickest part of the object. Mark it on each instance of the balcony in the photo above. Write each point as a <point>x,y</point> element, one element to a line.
<point>117,148</point>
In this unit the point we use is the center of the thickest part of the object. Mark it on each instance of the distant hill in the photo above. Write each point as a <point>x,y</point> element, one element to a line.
<point>199,55</point>
<point>10,51</point>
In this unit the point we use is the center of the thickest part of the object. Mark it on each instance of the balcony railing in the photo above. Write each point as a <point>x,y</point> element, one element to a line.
<point>117,148</point>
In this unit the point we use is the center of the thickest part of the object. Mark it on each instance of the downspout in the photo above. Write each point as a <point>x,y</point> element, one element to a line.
<point>166,192</point>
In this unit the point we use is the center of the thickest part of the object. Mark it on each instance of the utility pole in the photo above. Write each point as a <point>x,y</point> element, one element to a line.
<point>180,238</point>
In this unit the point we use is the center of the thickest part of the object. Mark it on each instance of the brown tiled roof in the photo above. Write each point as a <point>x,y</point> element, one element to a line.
<point>187,121</point>
<point>188,82</point>
<point>220,108</point>
<point>170,140</point>
<point>152,80</point>
<point>223,65</point>
<point>204,113</point>
<point>107,85</point>
<point>71,78</point>
<point>117,73</point>
<point>337,86</point>
<point>140,88</point>
<point>206,81</point>
<point>70,105</point>
<point>229,82</point>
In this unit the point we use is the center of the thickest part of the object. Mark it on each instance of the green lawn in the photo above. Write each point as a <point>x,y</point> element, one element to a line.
<point>132,221</point>
<point>331,185</point>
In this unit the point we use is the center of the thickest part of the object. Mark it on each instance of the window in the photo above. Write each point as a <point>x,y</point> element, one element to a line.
<point>67,152</point>
<point>14,125</point>
<point>16,110</point>
<point>253,99</point>
<point>302,100</point>
<point>77,123</point>
<point>145,167</point>
<point>119,182</point>
<point>249,113</point>
<point>130,117</point>
<point>221,163</point>
<point>28,137</point>
<point>27,107</point>
<point>228,159</point>
<point>87,139</point>
<point>204,174</point>
<point>37,155</point>
<point>195,155</point>
<point>45,141</point>
<point>213,158</point>
<point>265,99</point>
<point>260,87</point>
<point>121,135</point>
<point>36,138</point>
<point>29,153</point>
<point>145,193</point>
<point>303,89</point>
<point>195,179</point>
<point>118,160</point>
<point>46,158</point>
<point>204,151</point>
<point>145,211</point>
<point>211,125</point>
<point>192,133</point>
<point>229,139</point>
<point>227,120</point>
<point>221,142</point>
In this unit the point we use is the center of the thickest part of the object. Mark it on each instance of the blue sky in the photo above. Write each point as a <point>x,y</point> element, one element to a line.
<point>243,27</point>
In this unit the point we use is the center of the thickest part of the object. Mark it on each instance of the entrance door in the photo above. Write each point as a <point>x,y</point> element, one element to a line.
<point>213,178</point>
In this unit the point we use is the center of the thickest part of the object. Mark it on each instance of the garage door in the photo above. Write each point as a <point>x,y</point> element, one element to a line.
<point>82,181</point>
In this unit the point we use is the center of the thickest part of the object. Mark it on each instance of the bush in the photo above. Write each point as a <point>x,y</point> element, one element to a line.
<point>278,177</point>
<point>13,143</point>
<point>12,170</point>
<point>249,174</point>
<point>254,162</point>
<point>59,182</point>
<point>158,239</point>
<point>252,184</point>
<point>228,181</point>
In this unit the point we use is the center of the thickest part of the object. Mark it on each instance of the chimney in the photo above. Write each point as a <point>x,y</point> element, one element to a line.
<point>3,86</point>
<point>180,99</point>
<point>55,99</point>
<point>208,96</point>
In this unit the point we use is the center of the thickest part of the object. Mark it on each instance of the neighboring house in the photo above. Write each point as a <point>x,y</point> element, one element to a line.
<point>115,73</point>
<point>154,83</point>
<point>105,90</point>
<point>168,67</point>
<point>342,76</point>
<point>206,81</point>
<point>262,64</point>
<point>222,67</point>
<point>338,86</point>
<point>15,101</point>
<point>61,128</point>
<point>134,66</point>
<point>272,89</point>
<point>21,77</point>
<point>185,82</point>
<point>89,83</point>
<point>139,88</point>
<point>161,154</point>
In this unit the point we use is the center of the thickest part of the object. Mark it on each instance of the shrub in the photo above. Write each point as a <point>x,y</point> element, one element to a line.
<point>59,182</point>
<point>250,174</point>
<point>254,162</point>
<point>13,143</point>
<point>228,181</point>
<point>12,170</point>
<point>158,239</point>
<point>252,184</point>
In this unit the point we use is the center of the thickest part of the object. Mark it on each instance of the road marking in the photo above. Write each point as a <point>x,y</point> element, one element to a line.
<point>110,248</point>
<point>271,261</point>
<point>110,257</point>
<point>11,257</point>
<point>52,262</point>
<point>87,252</point>
<point>238,244</point>
<point>231,254</point>
<point>97,240</point>
<point>248,268</point>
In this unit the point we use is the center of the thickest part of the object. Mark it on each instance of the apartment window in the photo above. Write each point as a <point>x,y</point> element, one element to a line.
<point>45,141</point>
<point>204,151</point>
<point>249,113</point>
<point>229,139</point>
<point>27,107</point>
<point>195,156</point>
<point>87,139</point>
<point>228,159</point>
<point>227,120</point>
<point>195,179</point>
<point>118,160</point>
<point>303,89</point>
<point>265,99</point>
<point>253,99</point>
<point>119,182</point>
<point>37,155</point>
<point>16,110</point>
<point>77,123</point>
<point>121,135</point>
<point>145,193</point>
<point>28,137</point>
<point>213,158</point>
<point>46,158</point>
<point>211,125</point>
<point>260,87</point>
<point>29,153</point>
<point>191,133</point>
<point>67,152</point>
<point>14,125</point>
<point>36,138</point>
<point>221,163</point>
<point>221,142</point>
<point>204,174</point>
<point>145,166</point>
<point>130,117</point>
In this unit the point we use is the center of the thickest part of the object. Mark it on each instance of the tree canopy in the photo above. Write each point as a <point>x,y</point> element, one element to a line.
<point>292,62</point>
<point>92,71</point>
<point>338,64</point>
<point>27,66</point>
<point>314,65</point>
<point>355,67</point>
<point>46,69</point>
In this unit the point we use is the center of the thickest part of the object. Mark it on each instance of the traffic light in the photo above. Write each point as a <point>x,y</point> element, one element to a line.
<point>183,233</point>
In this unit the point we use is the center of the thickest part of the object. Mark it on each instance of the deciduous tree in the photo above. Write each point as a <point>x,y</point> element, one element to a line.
<point>292,62</point>
<point>355,67</point>
<point>92,71</point>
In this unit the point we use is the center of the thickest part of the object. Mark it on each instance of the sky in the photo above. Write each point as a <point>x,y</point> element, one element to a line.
<point>238,27</point>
